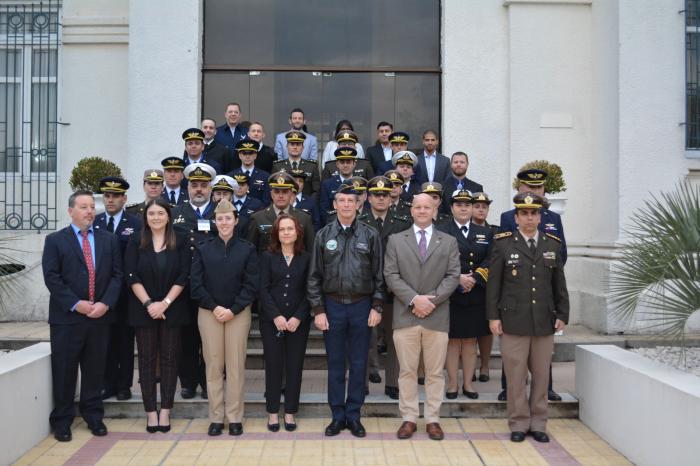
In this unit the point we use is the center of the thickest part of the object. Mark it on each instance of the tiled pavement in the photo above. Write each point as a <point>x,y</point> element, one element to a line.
<point>467,442</point>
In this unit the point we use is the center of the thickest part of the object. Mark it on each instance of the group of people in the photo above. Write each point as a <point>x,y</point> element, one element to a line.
<point>376,247</point>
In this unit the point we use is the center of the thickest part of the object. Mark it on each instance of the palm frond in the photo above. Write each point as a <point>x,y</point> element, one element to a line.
<point>10,286</point>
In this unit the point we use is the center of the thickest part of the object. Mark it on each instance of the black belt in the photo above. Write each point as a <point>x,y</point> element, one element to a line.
<point>347,298</point>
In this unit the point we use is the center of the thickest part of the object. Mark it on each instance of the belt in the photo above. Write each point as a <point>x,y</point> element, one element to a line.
<point>347,298</point>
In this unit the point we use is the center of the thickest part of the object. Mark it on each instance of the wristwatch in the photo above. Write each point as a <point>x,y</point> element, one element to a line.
<point>167,301</point>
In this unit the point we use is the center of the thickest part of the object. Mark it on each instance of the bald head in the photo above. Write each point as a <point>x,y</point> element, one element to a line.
<point>422,210</point>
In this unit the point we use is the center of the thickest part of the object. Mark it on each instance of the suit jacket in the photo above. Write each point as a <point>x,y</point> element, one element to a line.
<point>450,184</point>
<point>182,198</point>
<point>219,153</point>
<point>283,287</point>
<point>375,154</point>
<point>223,135</point>
<point>406,276</point>
<point>141,266</point>
<point>260,227</point>
<point>413,189</point>
<point>66,275</point>
<point>526,291</point>
<point>442,168</point>
<point>310,151</point>
<point>550,222</point>
<point>249,207</point>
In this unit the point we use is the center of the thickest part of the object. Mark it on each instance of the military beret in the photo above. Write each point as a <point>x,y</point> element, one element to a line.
<point>113,184</point>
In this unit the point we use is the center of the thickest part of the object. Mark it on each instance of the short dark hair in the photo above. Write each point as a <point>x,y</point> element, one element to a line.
<point>209,118</point>
<point>233,103</point>
<point>460,153</point>
<point>78,193</point>
<point>430,131</point>
<point>275,245</point>
<point>296,110</point>
<point>385,123</point>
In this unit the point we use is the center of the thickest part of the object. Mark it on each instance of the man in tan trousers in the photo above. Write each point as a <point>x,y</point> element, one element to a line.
<point>421,268</point>
<point>526,301</point>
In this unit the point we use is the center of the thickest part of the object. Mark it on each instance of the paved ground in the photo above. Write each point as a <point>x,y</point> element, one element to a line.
<point>467,442</point>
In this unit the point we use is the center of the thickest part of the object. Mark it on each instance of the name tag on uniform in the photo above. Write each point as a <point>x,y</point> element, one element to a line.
<point>549,255</point>
<point>203,225</point>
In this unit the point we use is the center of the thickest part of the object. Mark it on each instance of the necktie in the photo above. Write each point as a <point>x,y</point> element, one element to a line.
<point>465,230</point>
<point>87,254</point>
<point>238,203</point>
<point>422,246</point>
<point>110,224</point>
<point>295,165</point>
<point>380,222</point>
<point>199,213</point>
<point>247,173</point>
<point>532,245</point>
<point>405,188</point>
<point>172,197</point>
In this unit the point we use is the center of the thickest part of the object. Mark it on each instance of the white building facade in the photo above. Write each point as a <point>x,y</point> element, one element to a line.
<point>596,86</point>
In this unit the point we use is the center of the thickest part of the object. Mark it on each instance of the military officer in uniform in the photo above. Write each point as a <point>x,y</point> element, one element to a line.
<point>399,206</point>
<point>526,302</point>
<point>257,179</point>
<point>434,190</point>
<point>283,189</point>
<point>398,140</point>
<point>532,180</point>
<point>194,222</point>
<point>174,192</point>
<point>386,222</point>
<point>119,370</point>
<point>152,188</point>
<point>363,167</point>
<point>345,158</point>
<point>243,203</point>
<point>223,187</point>
<point>303,202</point>
<point>194,149</point>
<point>404,162</point>
<point>295,146</point>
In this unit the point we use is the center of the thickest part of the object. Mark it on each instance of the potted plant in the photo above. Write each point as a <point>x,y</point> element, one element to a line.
<point>87,174</point>
<point>554,184</point>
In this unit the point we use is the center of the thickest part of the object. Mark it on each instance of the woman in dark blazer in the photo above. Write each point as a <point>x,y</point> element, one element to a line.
<point>157,270</point>
<point>284,317</point>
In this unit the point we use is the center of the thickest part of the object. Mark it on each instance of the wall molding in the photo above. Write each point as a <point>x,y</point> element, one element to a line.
<point>95,30</point>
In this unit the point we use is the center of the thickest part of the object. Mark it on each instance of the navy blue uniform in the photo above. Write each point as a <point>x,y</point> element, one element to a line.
<point>179,200</point>
<point>203,159</point>
<point>249,206</point>
<point>328,189</point>
<point>257,184</point>
<point>550,223</point>
<point>308,205</point>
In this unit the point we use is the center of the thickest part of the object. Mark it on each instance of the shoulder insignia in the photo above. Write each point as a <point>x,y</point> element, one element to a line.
<point>505,234</point>
<point>553,237</point>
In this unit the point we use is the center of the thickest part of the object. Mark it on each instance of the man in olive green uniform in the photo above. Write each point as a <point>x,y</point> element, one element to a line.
<point>152,188</point>
<point>526,302</point>
<point>397,204</point>
<point>295,147</point>
<point>363,167</point>
<point>386,222</point>
<point>283,190</point>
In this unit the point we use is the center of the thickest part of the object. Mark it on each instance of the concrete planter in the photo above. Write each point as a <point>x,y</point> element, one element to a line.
<point>647,411</point>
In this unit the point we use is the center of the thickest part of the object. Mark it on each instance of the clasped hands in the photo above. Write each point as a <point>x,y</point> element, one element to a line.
<point>91,310</point>
<point>467,281</point>
<point>422,305</point>
<point>222,314</point>
<point>284,325</point>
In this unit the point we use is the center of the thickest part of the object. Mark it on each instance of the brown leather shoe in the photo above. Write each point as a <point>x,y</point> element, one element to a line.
<point>406,430</point>
<point>434,431</point>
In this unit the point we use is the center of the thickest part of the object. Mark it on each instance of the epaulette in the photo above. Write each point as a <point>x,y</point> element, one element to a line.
<point>131,206</point>
<point>303,210</point>
<point>553,237</point>
<point>505,234</point>
<point>364,216</point>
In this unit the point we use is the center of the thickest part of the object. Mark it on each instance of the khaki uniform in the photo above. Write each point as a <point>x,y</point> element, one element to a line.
<point>527,292</point>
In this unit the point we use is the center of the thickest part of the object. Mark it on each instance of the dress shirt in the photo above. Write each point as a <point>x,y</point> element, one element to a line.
<point>117,219</point>
<point>527,238</point>
<point>428,233</point>
<point>247,170</point>
<point>459,225</point>
<point>202,208</point>
<point>168,189</point>
<point>237,199</point>
<point>232,130</point>
<point>189,161</point>
<point>430,160</point>
<point>388,153</point>
<point>278,211</point>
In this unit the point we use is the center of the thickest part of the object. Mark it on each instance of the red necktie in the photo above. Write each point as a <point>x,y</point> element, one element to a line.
<point>87,254</point>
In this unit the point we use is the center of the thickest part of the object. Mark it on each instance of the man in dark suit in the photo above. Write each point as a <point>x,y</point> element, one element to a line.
<point>83,271</point>
<point>232,131</point>
<point>173,192</point>
<point>119,373</point>
<point>266,154</point>
<point>247,150</point>
<point>457,179</point>
<point>194,150</point>
<point>433,165</point>
<point>380,153</point>
<point>214,150</point>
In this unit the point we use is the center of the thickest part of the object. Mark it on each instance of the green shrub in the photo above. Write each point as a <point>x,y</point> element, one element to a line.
<point>89,171</point>
<point>555,178</point>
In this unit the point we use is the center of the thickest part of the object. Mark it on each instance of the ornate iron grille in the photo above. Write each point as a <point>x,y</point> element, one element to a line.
<point>29,45</point>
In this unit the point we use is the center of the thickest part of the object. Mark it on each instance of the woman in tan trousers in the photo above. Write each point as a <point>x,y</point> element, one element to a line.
<point>224,282</point>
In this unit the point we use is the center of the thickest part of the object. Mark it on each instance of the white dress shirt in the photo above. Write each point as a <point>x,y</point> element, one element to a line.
<point>430,164</point>
<point>428,234</point>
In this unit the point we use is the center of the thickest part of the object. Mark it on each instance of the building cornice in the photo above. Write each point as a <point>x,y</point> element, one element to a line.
<point>95,30</point>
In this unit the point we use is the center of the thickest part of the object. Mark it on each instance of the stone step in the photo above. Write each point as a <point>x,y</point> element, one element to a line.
<point>316,405</point>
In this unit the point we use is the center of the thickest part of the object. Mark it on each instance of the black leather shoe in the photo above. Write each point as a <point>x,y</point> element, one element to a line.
<point>470,395</point>
<point>421,380</point>
<point>187,393</point>
<point>392,392</point>
<point>553,396</point>
<point>517,436</point>
<point>152,429</point>
<point>290,426</point>
<point>451,395</point>
<point>334,428</point>
<point>164,429</point>
<point>123,395</point>
<point>273,427</point>
<point>375,378</point>
<point>356,428</point>
<point>104,393</point>
<point>541,437</point>
<point>503,396</point>
<point>63,435</point>
<point>484,377</point>
<point>236,428</point>
<point>99,429</point>
<point>215,428</point>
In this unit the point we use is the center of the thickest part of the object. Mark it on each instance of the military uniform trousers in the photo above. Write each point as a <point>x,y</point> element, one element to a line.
<point>225,348</point>
<point>348,324</point>
<point>520,354</point>
<point>410,341</point>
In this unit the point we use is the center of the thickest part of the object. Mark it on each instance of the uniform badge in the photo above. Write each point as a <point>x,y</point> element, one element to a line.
<point>179,219</point>
<point>331,245</point>
<point>549,255</point>
<point>549,227</point>
<point>127,231</point>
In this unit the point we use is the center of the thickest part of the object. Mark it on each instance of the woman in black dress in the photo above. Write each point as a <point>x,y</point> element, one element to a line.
<point>467,304</point>
<point>157,270</point>
<point>284,317</point>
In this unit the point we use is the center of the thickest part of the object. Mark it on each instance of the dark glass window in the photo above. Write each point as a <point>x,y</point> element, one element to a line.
<point>692,68</point>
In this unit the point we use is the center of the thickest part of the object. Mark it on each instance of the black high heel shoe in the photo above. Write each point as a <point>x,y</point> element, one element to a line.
<point>290,426</point>
<point>275,427</point>
<point>151,429</point>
